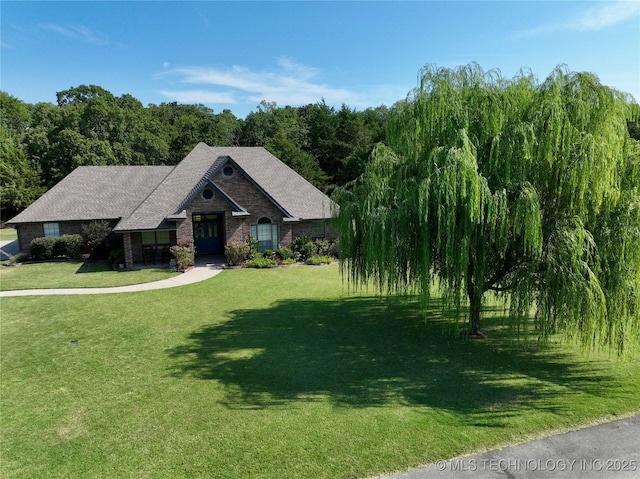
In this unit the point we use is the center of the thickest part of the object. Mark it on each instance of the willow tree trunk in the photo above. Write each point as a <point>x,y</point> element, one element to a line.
<point>474,293</point>
<point>475,303</point>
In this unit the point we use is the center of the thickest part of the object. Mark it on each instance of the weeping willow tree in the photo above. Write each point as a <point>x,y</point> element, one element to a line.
<point>528,190</point>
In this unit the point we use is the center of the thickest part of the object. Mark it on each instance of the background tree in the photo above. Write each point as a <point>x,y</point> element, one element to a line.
<point>88,125</point>
<point>284,133</point>
<point>524,189</point>
<point>15,114</point>
<point>182,127</point>
<point>19,177</point>
<point>303,163</point>
<point>368,129</point>
<point>342,140</point>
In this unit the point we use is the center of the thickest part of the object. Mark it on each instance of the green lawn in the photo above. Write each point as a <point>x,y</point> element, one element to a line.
<point>275,373</point>
<point>8,234</point>
<point>89,274</point>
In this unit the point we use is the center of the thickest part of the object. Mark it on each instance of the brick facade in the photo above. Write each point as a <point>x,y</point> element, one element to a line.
<point>27,232</point>
<point>305,228</point>
<point>237,229</point>
<point>128,250</point>
<point>233,228</point>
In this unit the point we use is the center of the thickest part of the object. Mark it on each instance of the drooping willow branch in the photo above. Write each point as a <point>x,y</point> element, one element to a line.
<point>510,186</point>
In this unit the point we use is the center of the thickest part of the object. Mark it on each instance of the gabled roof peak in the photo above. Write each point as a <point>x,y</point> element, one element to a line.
<point>290,192</point>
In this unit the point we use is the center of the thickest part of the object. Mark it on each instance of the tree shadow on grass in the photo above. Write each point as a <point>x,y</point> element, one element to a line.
<point>367,352</point>
<point>92,267</point>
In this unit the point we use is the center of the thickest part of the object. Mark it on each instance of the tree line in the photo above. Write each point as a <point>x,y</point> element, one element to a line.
<point>42,143</point>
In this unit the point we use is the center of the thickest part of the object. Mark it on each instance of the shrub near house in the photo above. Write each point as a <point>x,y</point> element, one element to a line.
<point>45,248</point>
<point>237,253</point>
<point>314,252</point>
<point>183,253</point>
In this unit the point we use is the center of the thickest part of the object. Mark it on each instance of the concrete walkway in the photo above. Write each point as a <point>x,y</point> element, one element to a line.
<point>610,450</point>
<point>203,270</point>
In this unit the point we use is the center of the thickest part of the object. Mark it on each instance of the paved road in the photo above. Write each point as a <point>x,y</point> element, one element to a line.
<point>610,450</point>
<point>10,247</point>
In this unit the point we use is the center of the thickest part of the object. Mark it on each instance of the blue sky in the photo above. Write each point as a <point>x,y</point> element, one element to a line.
<point>232,55</point>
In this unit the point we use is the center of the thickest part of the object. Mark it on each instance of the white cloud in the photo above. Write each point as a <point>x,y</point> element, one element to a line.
<point>57,29</point>
<point>92,36</point>
<point>605,15</point>
<point>288,83</point>
<point>77,32</point>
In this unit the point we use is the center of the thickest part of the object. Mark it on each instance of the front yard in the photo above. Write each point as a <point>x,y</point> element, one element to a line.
<point>276,373</point>
<point>71,274</point>
<point>8,234</point>
<point>75,274</point>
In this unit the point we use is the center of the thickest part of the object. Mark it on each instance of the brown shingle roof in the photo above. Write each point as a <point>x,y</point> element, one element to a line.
<point>95,192</point>
<point>296,197</point>
<point>145,196</point>
<point>167,198</point>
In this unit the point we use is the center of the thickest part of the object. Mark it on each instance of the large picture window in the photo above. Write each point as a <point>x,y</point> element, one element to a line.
<point>155,238</point>
<point>155,246</point>
<point>266,234</point>
<point>51,229</point>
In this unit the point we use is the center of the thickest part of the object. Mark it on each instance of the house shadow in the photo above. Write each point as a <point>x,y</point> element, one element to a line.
<point>370,352</point>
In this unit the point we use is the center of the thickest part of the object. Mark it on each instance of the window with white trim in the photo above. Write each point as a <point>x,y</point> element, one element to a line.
<point>51,229</point>
<point>266,234</point>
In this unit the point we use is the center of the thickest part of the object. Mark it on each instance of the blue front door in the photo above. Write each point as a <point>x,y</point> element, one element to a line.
<point>207,234</point>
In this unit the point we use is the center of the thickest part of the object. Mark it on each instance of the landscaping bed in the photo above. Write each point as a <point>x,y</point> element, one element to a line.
<point>302,251</point>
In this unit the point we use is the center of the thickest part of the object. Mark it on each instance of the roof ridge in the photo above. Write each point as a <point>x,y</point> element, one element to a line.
<point>133,210</point>
<point>200,184</point>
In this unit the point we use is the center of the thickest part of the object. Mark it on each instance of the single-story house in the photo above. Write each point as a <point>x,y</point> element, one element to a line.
<point>214,196</point>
